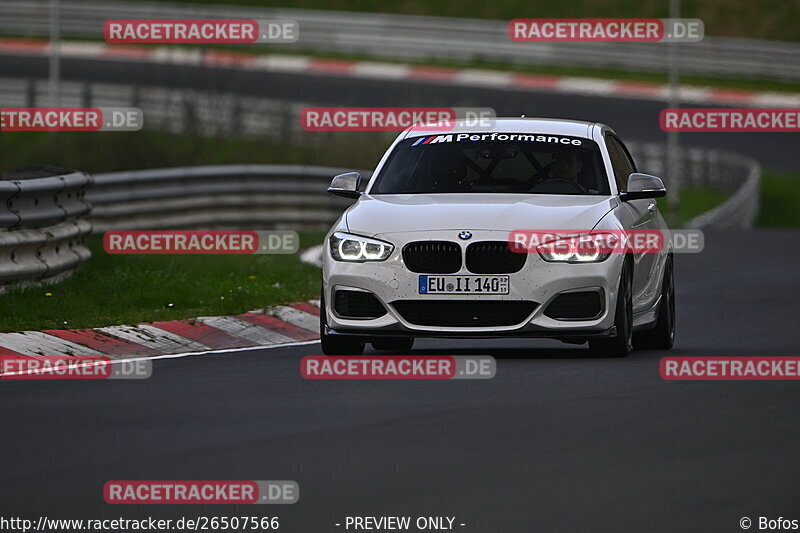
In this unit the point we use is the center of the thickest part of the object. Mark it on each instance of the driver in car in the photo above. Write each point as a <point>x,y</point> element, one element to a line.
<point>567,165</point>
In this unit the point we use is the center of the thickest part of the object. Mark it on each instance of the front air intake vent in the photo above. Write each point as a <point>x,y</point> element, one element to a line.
<point>579,305</point>
<point>464,313</point>
<point>494,257</point>
<point>357,304</point>
<point>432,257</point>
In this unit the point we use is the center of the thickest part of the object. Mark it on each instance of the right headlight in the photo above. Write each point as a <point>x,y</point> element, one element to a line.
<point>358,249</point>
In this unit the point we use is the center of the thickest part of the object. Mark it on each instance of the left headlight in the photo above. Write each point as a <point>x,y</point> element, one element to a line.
<point>358,249</point>
<point>575,249</point>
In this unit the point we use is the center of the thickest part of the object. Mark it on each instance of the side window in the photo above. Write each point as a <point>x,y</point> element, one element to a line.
<point>621,162</point>
<point>627,153</point>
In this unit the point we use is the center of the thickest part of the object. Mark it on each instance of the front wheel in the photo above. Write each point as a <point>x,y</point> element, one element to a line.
<point>662,337</point>
<point>337,344</point>
<point>622,344</point>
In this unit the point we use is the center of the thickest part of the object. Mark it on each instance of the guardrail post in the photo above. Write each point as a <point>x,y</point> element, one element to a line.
<point>86,95</point>
<point>189,115</point>
<point>136,96</point>
<point>30,93</point>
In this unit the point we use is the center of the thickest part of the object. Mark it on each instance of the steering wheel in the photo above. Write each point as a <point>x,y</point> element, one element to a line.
<point>542,186</point>
<point>536,175</point>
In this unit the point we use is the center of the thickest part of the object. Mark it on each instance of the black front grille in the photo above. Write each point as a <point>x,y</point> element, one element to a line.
<point>494,257</point>
<point>464,313</point>
<point>432,257</point>
<point>357,304</point>
<point>582,305</point>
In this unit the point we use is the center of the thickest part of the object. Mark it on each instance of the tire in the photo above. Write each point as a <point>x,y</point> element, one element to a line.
<point>394,344</point>
<point>662,337</point>
<point>337,344</point>
<point>622,344</point>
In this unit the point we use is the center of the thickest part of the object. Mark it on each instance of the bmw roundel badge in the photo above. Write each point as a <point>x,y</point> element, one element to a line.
<point>465,235</point>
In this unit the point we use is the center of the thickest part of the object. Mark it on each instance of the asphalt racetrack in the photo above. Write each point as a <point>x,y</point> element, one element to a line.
<point>556,442</point>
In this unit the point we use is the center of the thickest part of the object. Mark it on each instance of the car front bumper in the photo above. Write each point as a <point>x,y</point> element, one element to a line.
<point>538,281</point>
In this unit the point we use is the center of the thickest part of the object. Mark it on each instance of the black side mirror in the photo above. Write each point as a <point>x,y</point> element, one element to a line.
<point>346,185</point>
<point>641,186</point>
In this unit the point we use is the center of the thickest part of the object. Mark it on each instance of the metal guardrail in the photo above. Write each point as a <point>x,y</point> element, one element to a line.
<point>42,227</point>
<point>740,211</point>
<point>422,37</point>
<point>715,170</point>
<point>237,196</point>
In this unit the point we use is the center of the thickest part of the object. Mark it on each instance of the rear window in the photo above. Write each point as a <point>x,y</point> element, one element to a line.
<point>522,163</point>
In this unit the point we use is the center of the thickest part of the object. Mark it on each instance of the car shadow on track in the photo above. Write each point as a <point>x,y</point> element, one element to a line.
<point>578,352</point>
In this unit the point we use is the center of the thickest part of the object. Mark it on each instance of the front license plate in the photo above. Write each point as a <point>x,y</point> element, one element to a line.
<point>463,284</point>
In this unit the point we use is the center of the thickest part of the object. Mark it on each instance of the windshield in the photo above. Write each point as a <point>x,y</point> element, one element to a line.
<point>493,163</point>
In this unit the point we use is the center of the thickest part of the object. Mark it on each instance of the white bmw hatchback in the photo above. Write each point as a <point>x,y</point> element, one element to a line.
<point>427,250</point>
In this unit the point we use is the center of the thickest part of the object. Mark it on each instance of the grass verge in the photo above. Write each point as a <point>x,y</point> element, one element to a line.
<point>779,208</point>
<point>780,200</point>
<point>694,201</point>
<point>97,152</point>
<point>129,289</point>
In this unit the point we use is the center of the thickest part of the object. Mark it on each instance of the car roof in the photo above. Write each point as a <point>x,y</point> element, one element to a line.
<point>572,128</point>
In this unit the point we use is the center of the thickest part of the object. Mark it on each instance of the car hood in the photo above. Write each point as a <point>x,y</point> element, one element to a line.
<point>394,213</point>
